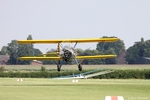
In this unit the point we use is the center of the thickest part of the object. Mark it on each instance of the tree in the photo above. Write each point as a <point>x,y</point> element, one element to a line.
<point>18,50</point>
<point>13,49</point>
<point>132,54</point>
<point>110,48</point>
<point>138,50</point>
<point>29,37</point>
<point>30,46</point>
<point>51,62</point>
<point>140,45</point>
<point>80,51</point>
<point>146,50</point>
<point>89,52</point>
<point>4,51</point>
<point>23,51</point>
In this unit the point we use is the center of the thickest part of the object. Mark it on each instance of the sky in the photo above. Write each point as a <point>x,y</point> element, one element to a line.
<point>128,20</point>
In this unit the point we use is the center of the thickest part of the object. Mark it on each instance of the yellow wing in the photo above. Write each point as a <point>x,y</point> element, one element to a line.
<point>60,58</point>
<point>70,40</point>
<point>96,57</point>
<point>40,58</point>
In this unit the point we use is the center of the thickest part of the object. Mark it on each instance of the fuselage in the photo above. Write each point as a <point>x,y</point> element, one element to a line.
<point>68,53</point>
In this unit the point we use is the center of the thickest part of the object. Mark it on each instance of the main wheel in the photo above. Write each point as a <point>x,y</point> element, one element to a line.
<point>80,67</point>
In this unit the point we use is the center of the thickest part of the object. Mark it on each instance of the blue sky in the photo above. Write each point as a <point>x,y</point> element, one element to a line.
<point>68,19</point>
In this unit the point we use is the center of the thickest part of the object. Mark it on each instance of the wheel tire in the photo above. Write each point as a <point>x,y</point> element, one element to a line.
<point>80,67</point>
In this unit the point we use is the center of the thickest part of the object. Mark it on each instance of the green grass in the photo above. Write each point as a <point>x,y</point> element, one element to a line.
<point>74,67</point>
<point>90,89</point>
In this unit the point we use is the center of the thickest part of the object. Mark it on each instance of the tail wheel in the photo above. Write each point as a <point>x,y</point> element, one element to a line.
<point>80,67</point>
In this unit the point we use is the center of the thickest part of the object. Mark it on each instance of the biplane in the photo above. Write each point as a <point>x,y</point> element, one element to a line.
<point>66,53</point>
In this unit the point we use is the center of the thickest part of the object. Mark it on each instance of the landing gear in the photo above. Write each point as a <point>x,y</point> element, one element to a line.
<point>58,66</point>
<point>80,67</point>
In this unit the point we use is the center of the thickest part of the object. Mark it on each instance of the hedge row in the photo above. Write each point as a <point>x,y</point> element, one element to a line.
<point>127,74</point>
<point>37,74</point>
<point>117,74</point>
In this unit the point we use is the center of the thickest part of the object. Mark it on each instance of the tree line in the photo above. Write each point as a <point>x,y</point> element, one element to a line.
<point>138,50</point>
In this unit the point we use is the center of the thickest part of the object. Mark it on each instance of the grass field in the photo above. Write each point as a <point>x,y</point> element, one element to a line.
<point>74,67</point>
<point>90,89</point>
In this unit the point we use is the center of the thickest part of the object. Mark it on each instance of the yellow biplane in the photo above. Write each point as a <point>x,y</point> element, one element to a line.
<point>66,53</point>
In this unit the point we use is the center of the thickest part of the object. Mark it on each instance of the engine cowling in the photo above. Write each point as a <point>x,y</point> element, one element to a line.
<point>67,55</point>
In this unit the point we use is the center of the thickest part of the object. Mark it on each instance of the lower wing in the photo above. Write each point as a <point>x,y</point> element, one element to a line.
<point>40,58</point>
<point>96,57</point>
<point>60,58</point>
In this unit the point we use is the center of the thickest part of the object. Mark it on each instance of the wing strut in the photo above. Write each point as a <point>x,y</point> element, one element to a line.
<point>58,47</point>
<point>59,64</point>
<point>75,45</point>
<point>76,61</point>
<point>78,64</point>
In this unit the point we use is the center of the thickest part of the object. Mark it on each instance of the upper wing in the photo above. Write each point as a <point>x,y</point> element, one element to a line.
<point>96,57</point>
<point>40,58</point>
<point>70,40</point>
